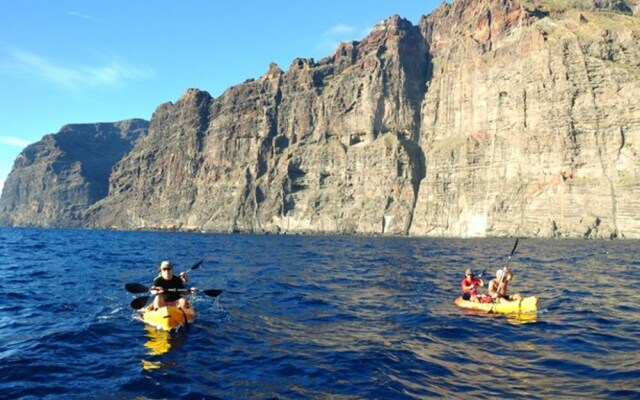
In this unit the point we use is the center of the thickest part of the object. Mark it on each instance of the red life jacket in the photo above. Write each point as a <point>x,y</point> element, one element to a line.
<point>475,282</point>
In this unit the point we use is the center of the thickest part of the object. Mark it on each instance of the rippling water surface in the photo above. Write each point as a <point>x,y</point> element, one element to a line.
<point>315,317</point>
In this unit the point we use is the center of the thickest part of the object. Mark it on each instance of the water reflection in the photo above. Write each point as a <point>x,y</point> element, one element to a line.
<point>160,342</point>
<point>522,318</point>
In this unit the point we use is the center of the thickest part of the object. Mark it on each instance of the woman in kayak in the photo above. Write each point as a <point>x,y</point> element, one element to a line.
<point>470,286</point>
<point>497,287</point>
<point>163,284</point>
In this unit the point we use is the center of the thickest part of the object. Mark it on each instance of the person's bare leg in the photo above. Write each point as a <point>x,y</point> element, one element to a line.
<point>182,303</point>
<point>158,302</point>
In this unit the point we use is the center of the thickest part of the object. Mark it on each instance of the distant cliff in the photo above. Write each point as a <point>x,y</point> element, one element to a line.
<point>490,118</point>
<point>55,180</point>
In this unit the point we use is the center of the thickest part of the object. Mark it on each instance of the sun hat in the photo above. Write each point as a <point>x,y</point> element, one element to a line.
<point>165,264</point>
<point>468,271</point>
<point>499,273</point>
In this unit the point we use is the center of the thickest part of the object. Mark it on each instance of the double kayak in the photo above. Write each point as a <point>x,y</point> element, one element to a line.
<point>169,317</point>
<point>526,305</point>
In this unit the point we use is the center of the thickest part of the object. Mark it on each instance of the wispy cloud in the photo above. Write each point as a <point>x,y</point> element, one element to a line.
<point>81,15</point>
<point>113,73</point>
<point>14,141</point>
<point>340,30</point>
<point>332,37</point>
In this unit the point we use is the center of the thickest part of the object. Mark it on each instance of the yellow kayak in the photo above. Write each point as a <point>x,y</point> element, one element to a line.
<point>168,318</point>
<point>526,305</point>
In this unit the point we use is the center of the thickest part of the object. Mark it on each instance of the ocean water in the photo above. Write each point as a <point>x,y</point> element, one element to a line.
<point>315,317</point>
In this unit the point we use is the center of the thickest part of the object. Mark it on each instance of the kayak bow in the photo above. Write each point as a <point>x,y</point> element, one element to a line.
<point>169,317</point>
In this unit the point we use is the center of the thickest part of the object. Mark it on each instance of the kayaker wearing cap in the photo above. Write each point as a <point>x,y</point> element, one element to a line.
<point>165,281</point>
<point>498,292</point>
<point>470,286</point>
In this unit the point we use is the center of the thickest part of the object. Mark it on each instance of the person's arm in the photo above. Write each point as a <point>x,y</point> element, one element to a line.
<point>156,288</point>
<point>184,278</point>
<point>504,288</point>
<point>491,288</point>
<point>509,276</point>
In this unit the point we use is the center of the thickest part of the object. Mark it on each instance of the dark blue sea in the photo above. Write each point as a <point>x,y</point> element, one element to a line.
<point>315,317</point>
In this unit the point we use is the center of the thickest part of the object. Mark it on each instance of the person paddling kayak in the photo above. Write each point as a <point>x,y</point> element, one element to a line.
<point>470,286</point>
<point>497,287</point>
<point>162,285</point>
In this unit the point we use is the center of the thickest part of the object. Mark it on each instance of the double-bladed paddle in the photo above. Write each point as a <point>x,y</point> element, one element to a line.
<point>140,302</point>
<point>138,288</point>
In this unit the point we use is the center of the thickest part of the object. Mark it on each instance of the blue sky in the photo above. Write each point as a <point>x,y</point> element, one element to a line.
<point>72,61</point>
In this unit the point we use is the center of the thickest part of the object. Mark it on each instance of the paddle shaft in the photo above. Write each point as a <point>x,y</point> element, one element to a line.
<point>140,302</point>
<point>194,266</point>
<point>506,267</point>
<point>140,288</point>
<point>208,292</point>
<point>172,290</point>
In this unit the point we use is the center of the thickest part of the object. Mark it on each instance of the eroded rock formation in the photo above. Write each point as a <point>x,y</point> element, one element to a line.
<point>55,180</point>
<point>531,122</point>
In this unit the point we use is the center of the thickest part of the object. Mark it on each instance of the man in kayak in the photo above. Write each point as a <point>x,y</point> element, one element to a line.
<point>163,285</point>
<point>497,287</point>
<point>470,286</point>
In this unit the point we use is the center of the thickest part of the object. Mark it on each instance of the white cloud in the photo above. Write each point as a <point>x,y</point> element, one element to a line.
<point>112,74</point>
<point>14,141</point>
<point>81,15</point>
<point>340,30</point>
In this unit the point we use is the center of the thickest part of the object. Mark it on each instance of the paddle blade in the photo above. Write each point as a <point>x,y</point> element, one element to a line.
<point>197,265</point>
<point>136,288</point>
<point>212,292</point>
<point>139,303</point>
<point>514,247</point>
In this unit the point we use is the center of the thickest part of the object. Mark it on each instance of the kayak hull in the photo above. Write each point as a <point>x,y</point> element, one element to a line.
<point>169,317</point>
<point>526,305</point>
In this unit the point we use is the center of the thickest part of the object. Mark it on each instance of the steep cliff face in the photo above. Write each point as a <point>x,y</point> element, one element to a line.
<point>490,118</point>
<point>328,146</point>
<point>54,180</point>
<point>531,123</point>
<point>157,176</point>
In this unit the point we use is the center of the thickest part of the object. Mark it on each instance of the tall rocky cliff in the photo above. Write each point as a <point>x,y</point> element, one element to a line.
<point>55,180</point>
<point>490,118</point>
<point>531,123</point>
